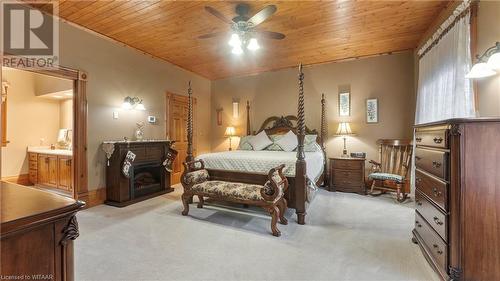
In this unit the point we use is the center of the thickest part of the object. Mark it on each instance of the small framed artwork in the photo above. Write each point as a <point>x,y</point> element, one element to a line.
<point>344,104</point>
<point>372,110</point>
<point>219,117</point>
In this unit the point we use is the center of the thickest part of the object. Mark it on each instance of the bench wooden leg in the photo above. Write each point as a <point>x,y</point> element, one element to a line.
<point>275,213</point>
<point>282,206</point>
<point>186,198</point>
<point>201,201</point>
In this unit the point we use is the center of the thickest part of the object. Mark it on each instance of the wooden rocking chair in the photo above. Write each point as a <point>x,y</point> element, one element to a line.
<point>391,173</point>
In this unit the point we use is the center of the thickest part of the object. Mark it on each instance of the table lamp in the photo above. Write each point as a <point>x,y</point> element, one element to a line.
<point>344,130</point>
<point>230,132</point>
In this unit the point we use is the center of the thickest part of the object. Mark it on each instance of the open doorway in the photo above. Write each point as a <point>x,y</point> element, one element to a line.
<point>44,130</point>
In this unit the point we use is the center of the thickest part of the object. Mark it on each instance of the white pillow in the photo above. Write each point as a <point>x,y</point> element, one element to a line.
<point>260,141</point>
<point>288,142</point>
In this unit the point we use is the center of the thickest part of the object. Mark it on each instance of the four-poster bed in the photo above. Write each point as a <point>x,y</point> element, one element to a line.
<point>304,169</point>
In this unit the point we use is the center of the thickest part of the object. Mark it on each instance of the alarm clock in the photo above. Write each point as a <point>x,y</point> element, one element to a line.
<point>358,154</point>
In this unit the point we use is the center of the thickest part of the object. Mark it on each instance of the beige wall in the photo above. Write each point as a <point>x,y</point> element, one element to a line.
<point>488,32</point>
<point>48,85</point>
<point>66,114</point>
<point>115,72</point>
<point>29,120</point>
<point>388,78</point>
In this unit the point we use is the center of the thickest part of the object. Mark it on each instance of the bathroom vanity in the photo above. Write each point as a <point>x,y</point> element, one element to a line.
<point>51,168</point>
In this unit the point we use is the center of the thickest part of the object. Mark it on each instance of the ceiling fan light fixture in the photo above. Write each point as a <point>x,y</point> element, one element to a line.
<point>237,50</point>
<point>253,45</point>
<point>235,41</point>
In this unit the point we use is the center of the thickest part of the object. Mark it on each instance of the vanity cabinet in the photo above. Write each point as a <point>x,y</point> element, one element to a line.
<point>64,176</point>
<point>54,171</point>
<point>47,170</point>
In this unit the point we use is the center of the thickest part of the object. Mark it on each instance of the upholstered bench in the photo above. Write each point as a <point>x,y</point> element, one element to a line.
<point>196,182</point>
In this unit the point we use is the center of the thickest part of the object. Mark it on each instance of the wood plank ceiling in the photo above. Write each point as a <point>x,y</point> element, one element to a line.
<point>316,32</point>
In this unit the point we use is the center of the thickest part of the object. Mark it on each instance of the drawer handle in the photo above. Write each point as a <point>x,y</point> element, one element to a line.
<point>418,158</point>
<point>436,192</point>
<point>418,224</point>
<point>418,180</point>
<point>419,203</point>
<point>438,140</point>
<point>437,247</point>
<point>418,139</point>
<point>437,221</point>
<point>436,164</point>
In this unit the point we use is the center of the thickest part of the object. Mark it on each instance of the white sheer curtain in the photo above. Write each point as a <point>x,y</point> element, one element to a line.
<point>443,90</point>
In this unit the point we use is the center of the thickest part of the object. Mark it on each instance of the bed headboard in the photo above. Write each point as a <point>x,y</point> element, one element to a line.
<point>281,125</point>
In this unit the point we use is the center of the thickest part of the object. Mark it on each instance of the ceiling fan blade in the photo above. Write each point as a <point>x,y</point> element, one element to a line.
<point>263,15</point>
<point>270,34</point>
<point>217,14</point>
<point>211,35</point>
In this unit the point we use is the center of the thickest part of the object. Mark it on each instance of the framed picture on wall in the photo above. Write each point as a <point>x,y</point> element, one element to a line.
<point>372,110</point>
<point>344,104</point>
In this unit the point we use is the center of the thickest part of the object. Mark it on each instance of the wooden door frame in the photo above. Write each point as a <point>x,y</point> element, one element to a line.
<point>80,105</point>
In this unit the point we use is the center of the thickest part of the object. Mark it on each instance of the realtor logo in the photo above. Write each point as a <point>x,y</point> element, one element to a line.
<point>29,36</point>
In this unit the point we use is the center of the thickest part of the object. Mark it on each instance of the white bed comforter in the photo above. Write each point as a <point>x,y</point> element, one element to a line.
<point>262,161</point>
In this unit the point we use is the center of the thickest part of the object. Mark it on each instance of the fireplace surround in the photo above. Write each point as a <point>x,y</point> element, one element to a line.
<point>147,176</point>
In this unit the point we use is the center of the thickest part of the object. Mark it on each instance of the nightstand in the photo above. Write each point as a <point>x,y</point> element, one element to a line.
<point>347,175</point>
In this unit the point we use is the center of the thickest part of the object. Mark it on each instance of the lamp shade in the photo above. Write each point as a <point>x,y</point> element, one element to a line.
<point>494,61</point>
<point>140,106</point>
<point>344,129</point>
<point>230,132</point>
<point>480,70</point>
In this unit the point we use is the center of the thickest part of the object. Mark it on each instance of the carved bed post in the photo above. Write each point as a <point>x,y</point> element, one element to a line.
<point>324,136</point>
<point>300,166</point>
<point>189,156</point>
<point>248,119</point>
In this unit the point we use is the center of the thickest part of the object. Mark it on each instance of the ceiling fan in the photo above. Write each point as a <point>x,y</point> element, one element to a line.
<point>243,27</point>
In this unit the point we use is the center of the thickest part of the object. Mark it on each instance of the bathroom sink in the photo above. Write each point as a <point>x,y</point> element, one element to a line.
<point>47,150</point>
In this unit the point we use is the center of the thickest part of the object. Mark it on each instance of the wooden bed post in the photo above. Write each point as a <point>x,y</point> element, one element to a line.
<point>324,136</point>
<point>189,156</point>
<point>248,119</point>
<point>300,166</point>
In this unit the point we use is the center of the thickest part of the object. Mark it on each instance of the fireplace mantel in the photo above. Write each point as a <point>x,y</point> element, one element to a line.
<point>120,190</point>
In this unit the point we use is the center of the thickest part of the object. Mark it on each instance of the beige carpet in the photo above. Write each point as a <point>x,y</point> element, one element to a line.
<point>348,237</point>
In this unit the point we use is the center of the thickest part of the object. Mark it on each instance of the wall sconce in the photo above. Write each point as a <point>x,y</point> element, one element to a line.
<point>236,109</point>
<point>133,103</point>
<point>488,64</point>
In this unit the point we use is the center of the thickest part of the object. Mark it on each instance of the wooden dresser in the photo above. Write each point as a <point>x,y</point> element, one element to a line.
<point>347,175</point>
<point>37,233</point>
<point>457,178</point>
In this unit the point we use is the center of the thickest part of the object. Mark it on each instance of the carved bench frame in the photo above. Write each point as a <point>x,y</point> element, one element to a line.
<point>275,204</point>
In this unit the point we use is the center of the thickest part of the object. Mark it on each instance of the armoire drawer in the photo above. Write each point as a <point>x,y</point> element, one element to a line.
<point>436,219</point>
<point>434,188</point>
<point>435,138</point>
<point>432,161</point>
<point>437,248</point>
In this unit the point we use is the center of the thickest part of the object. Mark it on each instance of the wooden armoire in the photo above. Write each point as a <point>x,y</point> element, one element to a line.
<point>457,220</point>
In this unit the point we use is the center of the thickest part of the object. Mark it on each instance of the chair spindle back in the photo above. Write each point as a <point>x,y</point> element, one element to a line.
<point>395,156</point>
